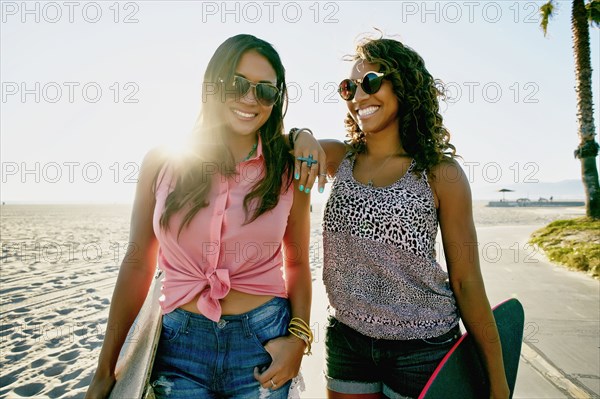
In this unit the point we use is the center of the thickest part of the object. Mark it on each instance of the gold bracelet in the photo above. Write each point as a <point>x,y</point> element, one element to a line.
<point>301,326</point>
<point>304,338</point>
<point>301,330</point>
<point>299,320</point>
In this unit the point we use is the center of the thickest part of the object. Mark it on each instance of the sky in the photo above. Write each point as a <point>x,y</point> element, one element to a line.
<point>89,87</point>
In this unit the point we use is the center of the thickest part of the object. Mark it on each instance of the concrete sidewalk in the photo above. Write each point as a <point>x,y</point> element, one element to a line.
<point>561,345</point>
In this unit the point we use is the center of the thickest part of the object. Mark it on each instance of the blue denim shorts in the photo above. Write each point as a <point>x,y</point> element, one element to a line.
<point>358,364</point>
<point>198,358</point>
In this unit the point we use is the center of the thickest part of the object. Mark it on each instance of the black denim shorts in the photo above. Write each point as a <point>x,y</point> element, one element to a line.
<point>357,364</point>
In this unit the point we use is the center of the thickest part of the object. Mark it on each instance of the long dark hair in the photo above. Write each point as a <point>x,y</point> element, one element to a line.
<point>209,153</point>
<point>421,127</point>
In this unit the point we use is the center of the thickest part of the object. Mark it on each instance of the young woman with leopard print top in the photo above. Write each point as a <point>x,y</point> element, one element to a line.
<point>394,311</point>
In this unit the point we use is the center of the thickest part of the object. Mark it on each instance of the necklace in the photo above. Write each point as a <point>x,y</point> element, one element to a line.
<point>251,152</point>
<point>370,182</point>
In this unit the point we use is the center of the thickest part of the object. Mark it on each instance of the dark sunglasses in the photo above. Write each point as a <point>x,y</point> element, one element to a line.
<point>266,93</point>
<point>370,83</point>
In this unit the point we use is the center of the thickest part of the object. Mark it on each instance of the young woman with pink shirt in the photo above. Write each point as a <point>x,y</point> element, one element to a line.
<point>231,234</point>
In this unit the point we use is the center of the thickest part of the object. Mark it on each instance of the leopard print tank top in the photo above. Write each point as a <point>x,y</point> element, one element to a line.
<point>379,265</point>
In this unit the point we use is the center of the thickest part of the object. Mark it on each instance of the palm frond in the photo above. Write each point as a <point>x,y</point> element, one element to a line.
<point>593,8</point>
<point>546,12</point>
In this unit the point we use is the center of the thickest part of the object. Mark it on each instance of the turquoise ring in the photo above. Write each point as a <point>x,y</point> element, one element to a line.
<point>310,161</point>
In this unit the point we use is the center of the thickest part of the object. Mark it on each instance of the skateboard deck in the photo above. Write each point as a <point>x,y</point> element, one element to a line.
<point>137,354</point>
<point>461,374</point>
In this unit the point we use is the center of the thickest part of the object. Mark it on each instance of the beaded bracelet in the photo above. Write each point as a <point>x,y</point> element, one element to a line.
<point>291,137</point>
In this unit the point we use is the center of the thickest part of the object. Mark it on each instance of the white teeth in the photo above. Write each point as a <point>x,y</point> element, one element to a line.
<point>243,114</point>
<point>367,111</point>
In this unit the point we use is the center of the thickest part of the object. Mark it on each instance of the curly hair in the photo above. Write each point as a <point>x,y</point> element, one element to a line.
<point>421,128</point>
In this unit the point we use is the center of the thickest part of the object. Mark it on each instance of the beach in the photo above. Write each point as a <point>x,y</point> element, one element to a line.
<point>59,267</point>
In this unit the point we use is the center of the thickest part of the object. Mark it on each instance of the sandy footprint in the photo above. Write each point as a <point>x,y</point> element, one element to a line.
<point>20,348</point>
<point>30,389</point>
<point>33,333</point>
<point>69,356</point>
<point>54,343</point>
<point>7,329</point>
<point>55,354</point>
<point>98,306</point>
<point>71,376</point>
<point>59,391</point>
<point>54,370</point>
<point>39,363</point>
<point>18,335</point>
<point>85,381</point>
<point>90,343</point>
<point>6,380</point>
<point>18,297</point>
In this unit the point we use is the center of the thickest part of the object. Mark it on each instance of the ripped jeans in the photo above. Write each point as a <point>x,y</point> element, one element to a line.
<point>198,358</point>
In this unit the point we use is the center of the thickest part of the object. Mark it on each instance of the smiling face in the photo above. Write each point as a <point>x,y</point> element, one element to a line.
<point>377,112</point>
<point>245,115</point>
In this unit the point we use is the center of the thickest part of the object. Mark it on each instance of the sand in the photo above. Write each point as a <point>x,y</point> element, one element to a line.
<point>59,266</point>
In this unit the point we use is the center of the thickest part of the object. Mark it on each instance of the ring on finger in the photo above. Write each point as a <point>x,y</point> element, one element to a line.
<point>310,161</point>
<point>272,383</point>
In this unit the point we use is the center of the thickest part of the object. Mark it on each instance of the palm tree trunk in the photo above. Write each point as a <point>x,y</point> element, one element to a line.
<point>588,148</point>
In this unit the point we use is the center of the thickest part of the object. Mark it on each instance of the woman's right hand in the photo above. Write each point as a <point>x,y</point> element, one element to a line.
<point>100,387</point>
<point>286,352</point>
<point>305,145</point>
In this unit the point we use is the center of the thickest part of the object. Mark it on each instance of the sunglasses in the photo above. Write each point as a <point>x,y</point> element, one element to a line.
<point>266,93</point>
<point>370,83</point>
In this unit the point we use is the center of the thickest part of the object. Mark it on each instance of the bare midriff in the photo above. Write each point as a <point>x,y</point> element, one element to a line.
<point>235,302</point>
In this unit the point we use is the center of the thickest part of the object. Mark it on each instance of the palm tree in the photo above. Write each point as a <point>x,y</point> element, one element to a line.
<point>587,151</point>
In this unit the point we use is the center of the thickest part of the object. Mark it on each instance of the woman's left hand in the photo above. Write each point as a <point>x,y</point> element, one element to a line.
<point>286,353</point>
<point>307,146</point>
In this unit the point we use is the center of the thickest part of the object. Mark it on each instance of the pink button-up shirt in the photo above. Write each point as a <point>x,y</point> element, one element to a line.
<point>216,251</point>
